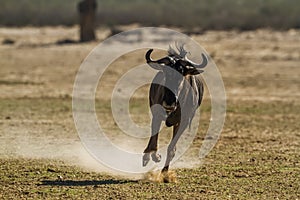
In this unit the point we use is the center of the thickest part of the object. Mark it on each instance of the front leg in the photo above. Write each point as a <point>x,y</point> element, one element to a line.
<point>151,149</point>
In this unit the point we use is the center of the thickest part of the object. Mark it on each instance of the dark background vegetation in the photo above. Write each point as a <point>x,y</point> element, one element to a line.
<point>203,14</point>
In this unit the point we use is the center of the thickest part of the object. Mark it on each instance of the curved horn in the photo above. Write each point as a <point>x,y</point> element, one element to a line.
<point>160,61</point>
<point>147,56</point>
<point>202,65</point>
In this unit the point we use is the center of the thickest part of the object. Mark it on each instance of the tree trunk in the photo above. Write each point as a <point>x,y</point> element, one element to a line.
<point>87,11</point>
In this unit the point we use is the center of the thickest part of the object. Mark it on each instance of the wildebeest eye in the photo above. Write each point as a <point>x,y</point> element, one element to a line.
<point>178,67</point>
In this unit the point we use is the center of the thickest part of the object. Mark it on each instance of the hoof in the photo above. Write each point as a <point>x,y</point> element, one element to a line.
<point>146,159</point>
<point>156,157</point>
<point>169,177</point>
<point>166,180</point>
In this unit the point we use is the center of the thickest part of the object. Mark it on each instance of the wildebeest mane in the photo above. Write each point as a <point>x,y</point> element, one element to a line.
<point>178,51</point>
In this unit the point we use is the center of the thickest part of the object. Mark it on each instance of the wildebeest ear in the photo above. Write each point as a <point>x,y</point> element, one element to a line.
<point>193,71</point>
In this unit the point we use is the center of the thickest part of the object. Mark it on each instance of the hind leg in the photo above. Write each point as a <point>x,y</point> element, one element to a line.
<point>177,132</point>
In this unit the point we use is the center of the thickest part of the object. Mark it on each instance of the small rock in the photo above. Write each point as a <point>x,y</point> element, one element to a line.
<point>241,175</point>
<point>60,178</point>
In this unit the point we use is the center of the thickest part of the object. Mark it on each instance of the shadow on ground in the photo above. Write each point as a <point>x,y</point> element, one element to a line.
<point>84,182</point>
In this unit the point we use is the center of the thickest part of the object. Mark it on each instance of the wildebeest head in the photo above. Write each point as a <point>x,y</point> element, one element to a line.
<point>175,67</point>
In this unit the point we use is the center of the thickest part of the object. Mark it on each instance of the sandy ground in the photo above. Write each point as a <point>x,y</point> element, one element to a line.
<point>257,65</point>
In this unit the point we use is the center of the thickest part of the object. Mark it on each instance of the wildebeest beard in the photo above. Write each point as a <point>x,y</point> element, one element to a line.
<point>173,117</point>
<point>190,105</point>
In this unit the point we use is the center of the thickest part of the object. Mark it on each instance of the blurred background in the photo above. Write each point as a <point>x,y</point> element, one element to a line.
<point>254,43</point>
<point>201,14</point>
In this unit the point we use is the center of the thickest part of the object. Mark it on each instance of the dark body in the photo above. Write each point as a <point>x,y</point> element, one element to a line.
<point>175,94</point>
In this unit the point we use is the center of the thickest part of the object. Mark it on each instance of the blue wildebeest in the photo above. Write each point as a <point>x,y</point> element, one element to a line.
<point>178,92</point>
